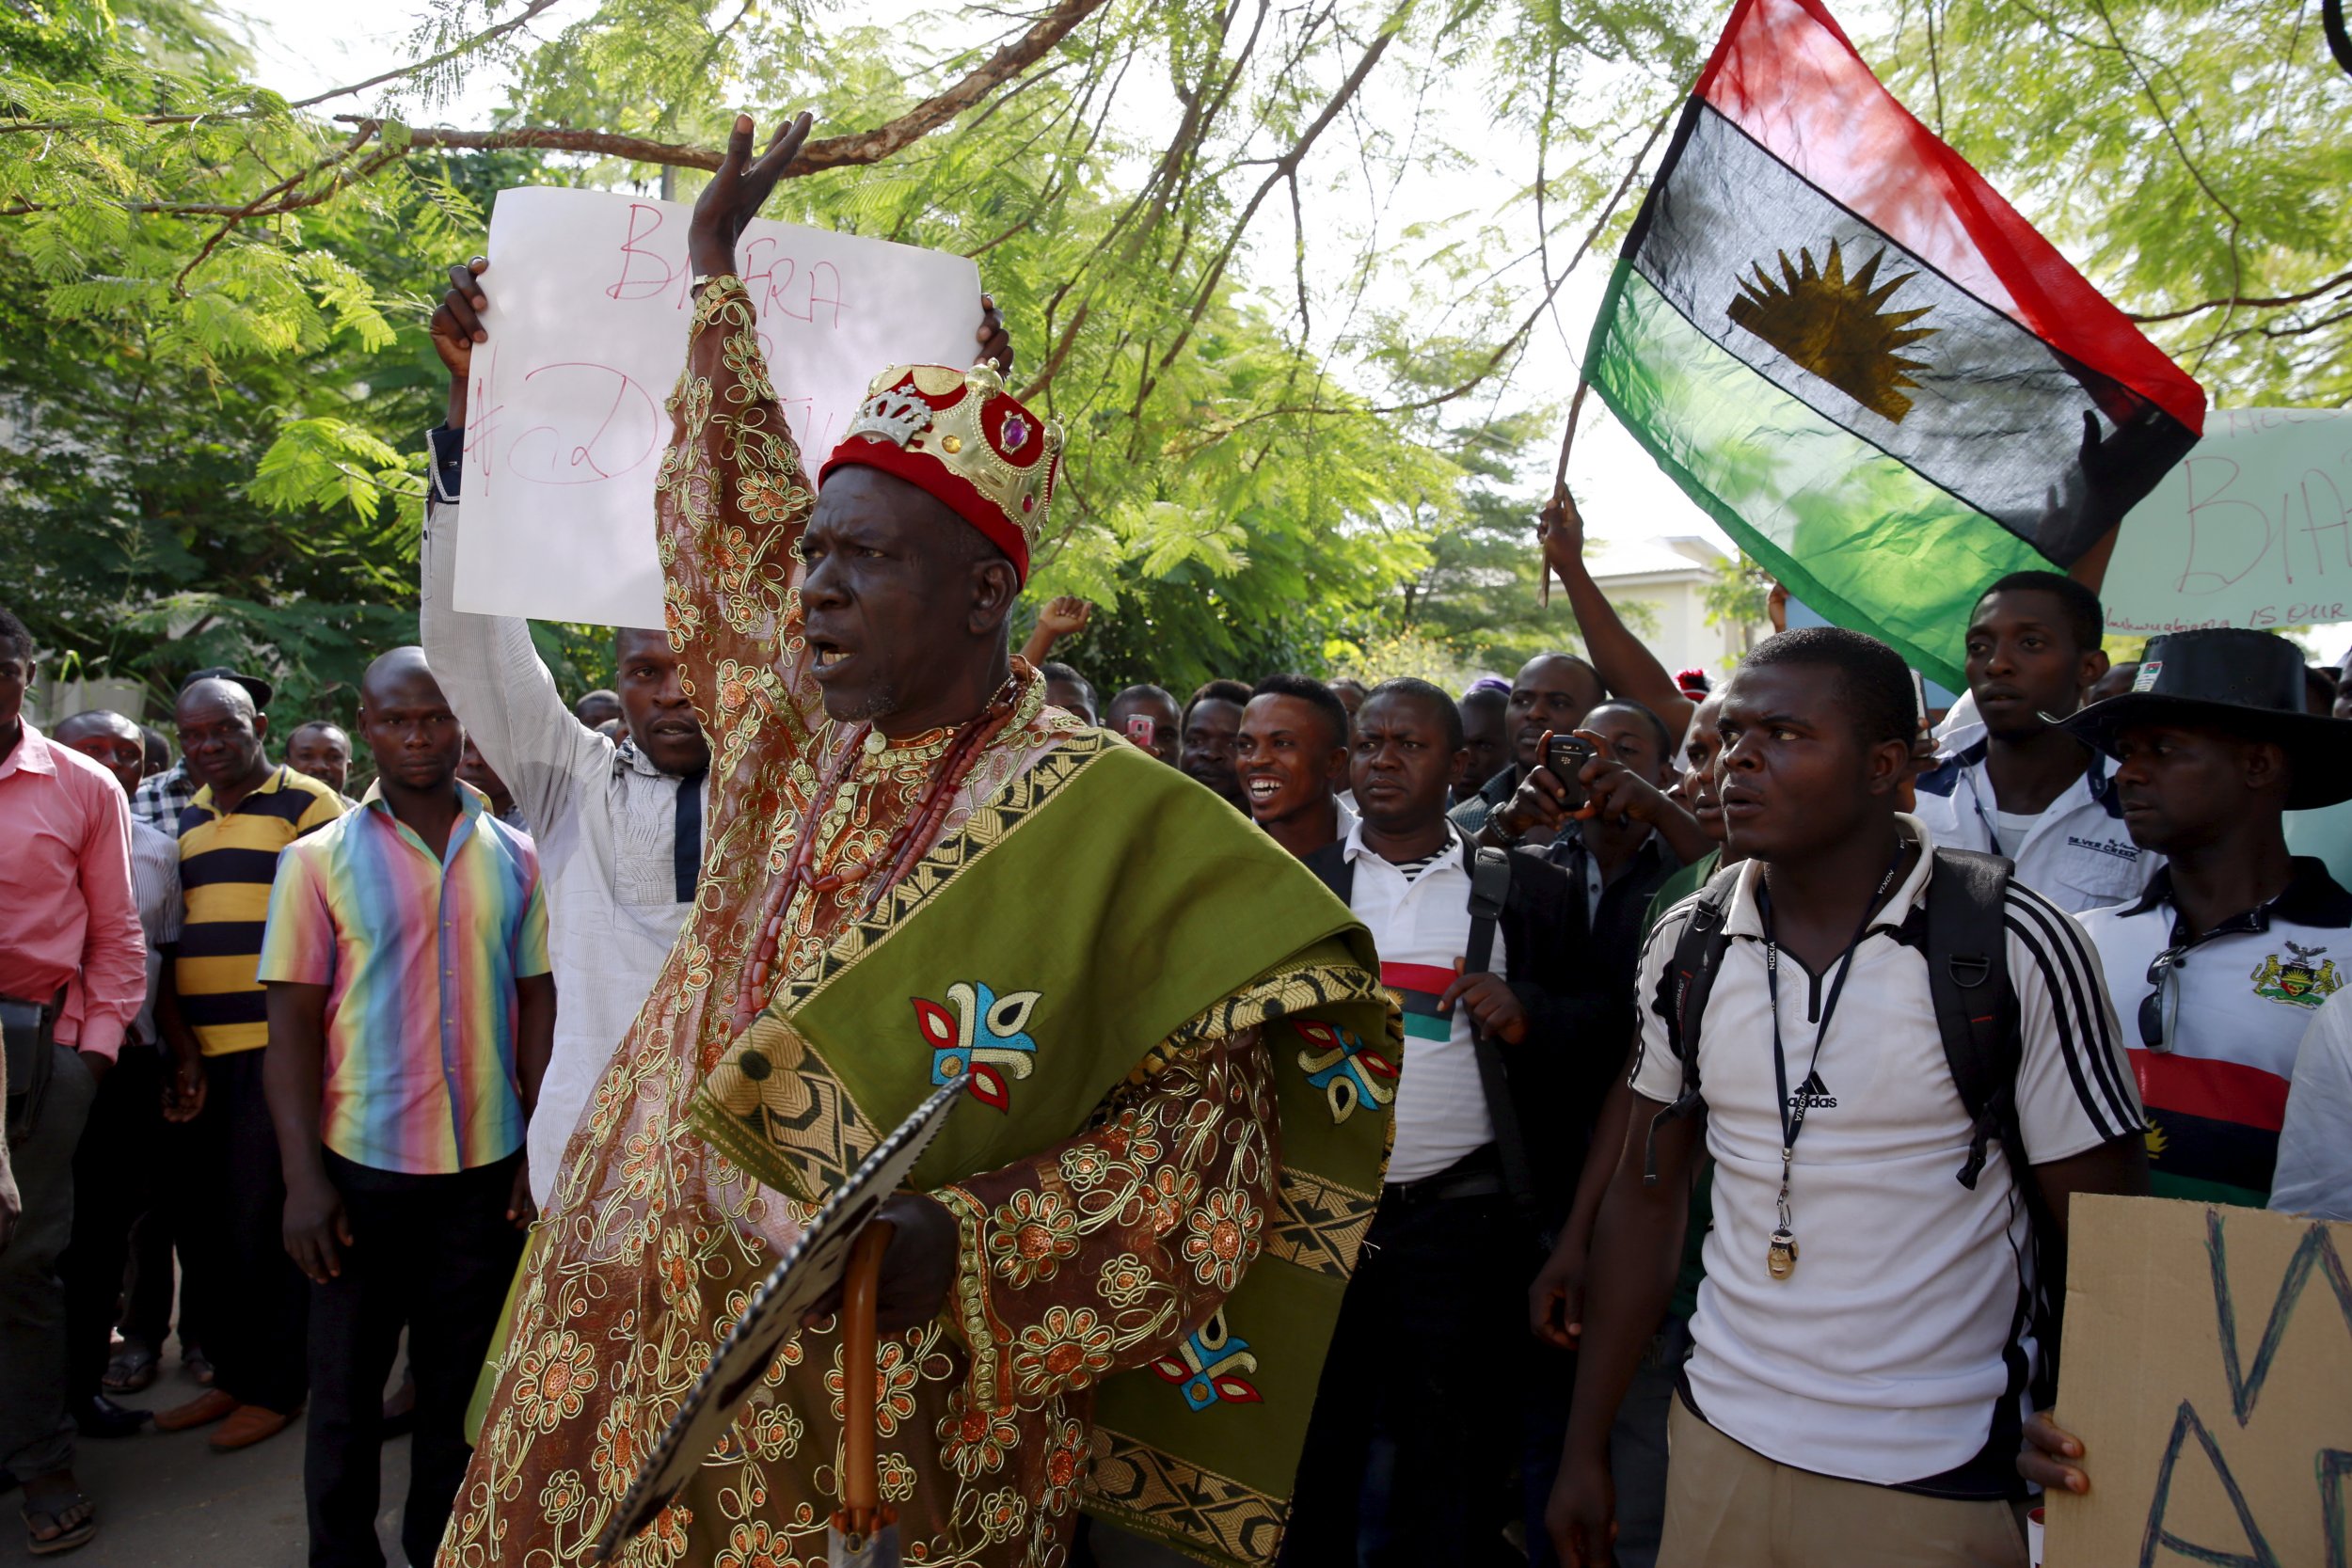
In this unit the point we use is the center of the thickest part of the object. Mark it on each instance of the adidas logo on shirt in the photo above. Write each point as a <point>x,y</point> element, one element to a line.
<point>1813,1094</point>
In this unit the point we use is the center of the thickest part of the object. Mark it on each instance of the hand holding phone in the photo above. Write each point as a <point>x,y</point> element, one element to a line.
<point>1565,756</point>
<point>1142,730</point>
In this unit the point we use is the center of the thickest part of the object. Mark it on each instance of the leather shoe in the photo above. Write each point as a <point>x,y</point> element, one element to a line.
<point>212,1406</point>
<point>247,1425</point>
<point>100,1417</point>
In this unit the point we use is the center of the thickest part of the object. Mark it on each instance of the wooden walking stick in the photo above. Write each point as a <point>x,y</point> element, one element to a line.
<point>862,1533</point>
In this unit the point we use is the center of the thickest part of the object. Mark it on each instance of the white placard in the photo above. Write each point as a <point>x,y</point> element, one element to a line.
<point>2253,529</point>
<point>587,319</point>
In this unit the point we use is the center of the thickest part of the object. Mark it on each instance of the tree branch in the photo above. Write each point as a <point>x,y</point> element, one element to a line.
<point>2236,302</point>
<point>453,52</point>
<point>856,149</point>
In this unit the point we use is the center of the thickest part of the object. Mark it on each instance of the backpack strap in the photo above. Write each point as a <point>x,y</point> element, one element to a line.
<point>1333,869</point>
<point>1681,999</point>
<point>1976,1014</point>
<point>1976,1006</point>
<point>1490,890</point>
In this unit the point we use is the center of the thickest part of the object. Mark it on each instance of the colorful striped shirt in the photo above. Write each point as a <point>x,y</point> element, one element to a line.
<point>227,863</point>
<point>421,957</point>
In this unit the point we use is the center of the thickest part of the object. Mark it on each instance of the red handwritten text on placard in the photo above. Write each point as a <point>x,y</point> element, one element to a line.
<point>627,432</point>
<point>779,284</point>
<point>647,271</point>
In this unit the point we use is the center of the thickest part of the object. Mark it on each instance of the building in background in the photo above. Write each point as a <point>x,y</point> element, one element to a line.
<point>1672,575</point>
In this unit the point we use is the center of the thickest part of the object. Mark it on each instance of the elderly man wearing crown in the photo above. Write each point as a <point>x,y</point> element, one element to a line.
<point>1116,1287</point>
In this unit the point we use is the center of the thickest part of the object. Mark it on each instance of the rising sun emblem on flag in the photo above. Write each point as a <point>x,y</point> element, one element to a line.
<point>1832,324</point>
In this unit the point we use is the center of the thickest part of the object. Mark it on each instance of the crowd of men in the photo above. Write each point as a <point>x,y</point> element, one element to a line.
<point>1688,1151</point>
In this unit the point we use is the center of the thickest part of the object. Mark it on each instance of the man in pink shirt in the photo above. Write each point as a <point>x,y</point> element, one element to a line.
<point>72,974</point>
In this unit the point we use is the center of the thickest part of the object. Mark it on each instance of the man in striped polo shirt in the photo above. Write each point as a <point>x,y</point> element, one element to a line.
<point>411,1016</point>
<point>245,812</point>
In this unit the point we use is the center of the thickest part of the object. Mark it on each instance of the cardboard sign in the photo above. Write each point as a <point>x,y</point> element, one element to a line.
<point>2208,1371</point>
<point>566,419</point>
<point>2253,529</point>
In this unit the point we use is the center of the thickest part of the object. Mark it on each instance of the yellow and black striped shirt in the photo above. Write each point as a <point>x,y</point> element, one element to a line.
<point>227,864</point>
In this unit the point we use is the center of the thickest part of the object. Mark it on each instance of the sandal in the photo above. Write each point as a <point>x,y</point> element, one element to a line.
<point>199,1366</point>
<point>131,1368</point>
<point>72,1526</point>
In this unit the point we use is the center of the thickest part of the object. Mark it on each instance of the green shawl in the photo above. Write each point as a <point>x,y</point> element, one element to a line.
<point>1099,907</point>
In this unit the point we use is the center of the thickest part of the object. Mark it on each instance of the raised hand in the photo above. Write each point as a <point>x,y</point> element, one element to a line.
<point>732,197</point>
<point>1561,528</point>
<point>1066,616</point>
<point>457,327</point>
<point>995,342</point>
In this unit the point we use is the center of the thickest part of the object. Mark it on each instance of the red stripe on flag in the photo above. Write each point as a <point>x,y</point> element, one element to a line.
<point>2219,1091</point>
<point>1428,977</point>
<point>1785,72</point>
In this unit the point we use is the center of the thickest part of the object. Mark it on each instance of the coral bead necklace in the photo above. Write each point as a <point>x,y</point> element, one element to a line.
<point>906,845</point>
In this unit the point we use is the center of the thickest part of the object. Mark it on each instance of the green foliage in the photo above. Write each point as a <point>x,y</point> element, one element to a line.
<point>1298,439</point>
<point>2179,151</point>
<point>1737,597</point>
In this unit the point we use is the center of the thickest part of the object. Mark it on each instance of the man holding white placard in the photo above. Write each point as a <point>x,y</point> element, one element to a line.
<point>920,873</point>
<point>619,826</point>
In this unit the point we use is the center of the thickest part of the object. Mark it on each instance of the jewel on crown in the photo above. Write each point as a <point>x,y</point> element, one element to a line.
<point>894,417</point>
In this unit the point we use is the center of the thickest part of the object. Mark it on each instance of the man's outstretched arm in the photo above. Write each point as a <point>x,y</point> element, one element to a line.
<point>1626,665</point>
<point>496,684</point>
<point>732,498</point>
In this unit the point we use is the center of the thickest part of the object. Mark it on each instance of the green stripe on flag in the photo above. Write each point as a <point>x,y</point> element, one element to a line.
<point>1427,1026</point>
<point>1857,535</point>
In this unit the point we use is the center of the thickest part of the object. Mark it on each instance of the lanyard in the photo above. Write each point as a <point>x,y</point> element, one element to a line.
<point>1781,1254</point>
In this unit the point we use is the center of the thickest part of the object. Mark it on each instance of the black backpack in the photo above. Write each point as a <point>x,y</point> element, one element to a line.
<point>1963,932</point>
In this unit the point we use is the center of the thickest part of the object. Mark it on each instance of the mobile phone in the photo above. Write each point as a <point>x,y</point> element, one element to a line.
<point>1564,759</point>
<point>1143,730</point>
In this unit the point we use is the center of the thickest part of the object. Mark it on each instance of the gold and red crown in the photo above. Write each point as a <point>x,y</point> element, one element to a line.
<point>961,437</point>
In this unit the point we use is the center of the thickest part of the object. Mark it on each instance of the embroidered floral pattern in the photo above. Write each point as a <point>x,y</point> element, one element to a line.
<point>557,1373</point>
<point>974,1442</point>
<point>896,1477</point>
<point>1125,1280</point>
<point>752,1544</point>
<point>1068,1348</point>
<point>1033,1234</point>
<point>1224,1239</point>
<point>1065,1466</point>
<point>895,1377</point>
<point>616,1456</point>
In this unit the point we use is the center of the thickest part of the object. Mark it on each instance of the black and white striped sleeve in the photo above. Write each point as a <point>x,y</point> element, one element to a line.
<point>1656,1073</point>
<point>2075,1090</point>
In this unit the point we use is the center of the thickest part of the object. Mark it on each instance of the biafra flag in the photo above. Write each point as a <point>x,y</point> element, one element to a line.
<point>1841,341</point>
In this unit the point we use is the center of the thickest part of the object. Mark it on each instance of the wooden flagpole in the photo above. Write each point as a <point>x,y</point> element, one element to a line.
<point>1560,485</point>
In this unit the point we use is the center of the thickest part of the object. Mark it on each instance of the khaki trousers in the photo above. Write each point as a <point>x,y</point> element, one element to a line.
<point>1729,1507</point>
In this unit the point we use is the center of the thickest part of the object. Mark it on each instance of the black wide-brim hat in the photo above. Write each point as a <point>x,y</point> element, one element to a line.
<point>2249,683</point>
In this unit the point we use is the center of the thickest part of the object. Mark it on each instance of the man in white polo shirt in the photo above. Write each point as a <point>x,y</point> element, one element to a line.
<point>2220,968</point>
<point>1863,1337</point>
<point>1447,1260</point>
<point>2023,788</point>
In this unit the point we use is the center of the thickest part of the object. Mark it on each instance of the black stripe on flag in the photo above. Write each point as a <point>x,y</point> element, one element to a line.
<point>1879,341</point>
<point>2207,1148</point>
